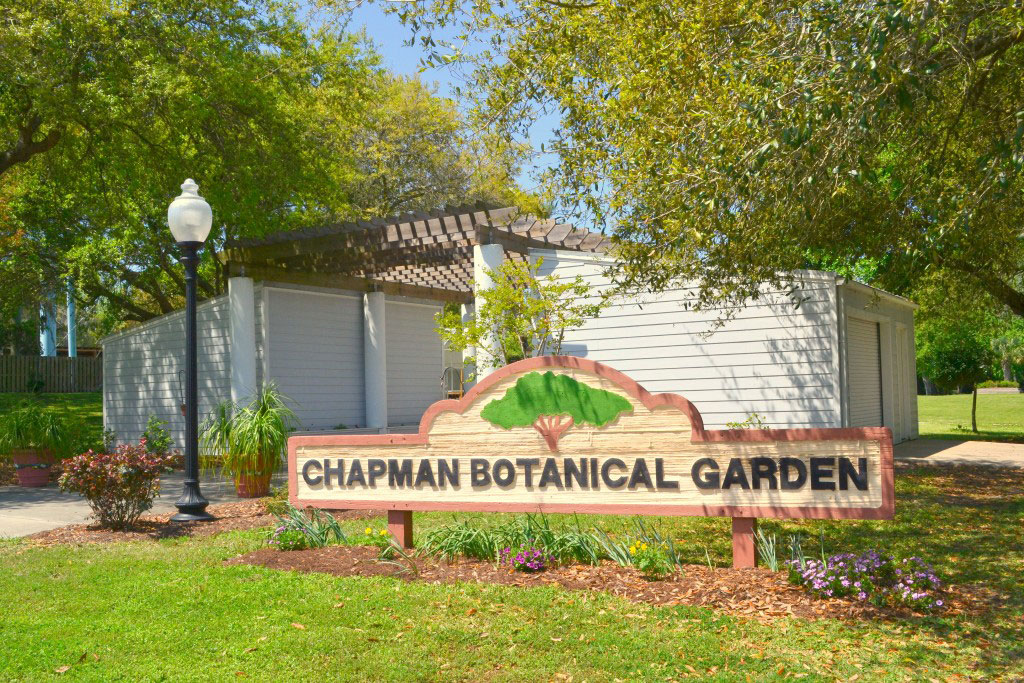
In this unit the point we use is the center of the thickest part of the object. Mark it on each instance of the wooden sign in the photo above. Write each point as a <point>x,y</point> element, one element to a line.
<point>565,434</point>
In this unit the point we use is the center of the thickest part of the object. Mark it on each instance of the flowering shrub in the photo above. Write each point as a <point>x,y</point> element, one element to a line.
<point>119,486</point>
<point>872,577</point>
<point>525,559</point>
<point>650,559</point>
<point>289,539</point>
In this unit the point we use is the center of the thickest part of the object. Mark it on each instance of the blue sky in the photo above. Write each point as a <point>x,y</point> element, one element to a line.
<point>389,35</point>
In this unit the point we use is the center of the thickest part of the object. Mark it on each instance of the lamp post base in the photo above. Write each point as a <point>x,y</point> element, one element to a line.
<point>192,506</point>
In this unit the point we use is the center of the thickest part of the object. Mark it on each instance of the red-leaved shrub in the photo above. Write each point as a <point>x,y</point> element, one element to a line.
<point>119,486</point>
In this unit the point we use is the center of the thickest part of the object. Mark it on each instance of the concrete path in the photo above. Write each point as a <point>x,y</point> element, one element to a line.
<point>948,452</point>
<point>25,511</point>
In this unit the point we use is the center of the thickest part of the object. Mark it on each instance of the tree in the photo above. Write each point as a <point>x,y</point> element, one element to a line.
<point>954,355</point>
<point>1009,350</point>
<point>105,107</point>
<point>522,314</point>
<point>543,400</point>
<point>722,141</point>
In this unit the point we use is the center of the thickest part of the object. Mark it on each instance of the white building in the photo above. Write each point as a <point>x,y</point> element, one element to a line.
<point>342,319</point>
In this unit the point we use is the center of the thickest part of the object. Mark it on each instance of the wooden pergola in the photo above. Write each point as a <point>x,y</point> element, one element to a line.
<point>420,255</point>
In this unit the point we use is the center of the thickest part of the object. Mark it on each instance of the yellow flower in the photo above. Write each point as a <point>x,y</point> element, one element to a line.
<point>643,547</point>
<point>369,531</point>
<point>632,550</point>
<point>383,532</point>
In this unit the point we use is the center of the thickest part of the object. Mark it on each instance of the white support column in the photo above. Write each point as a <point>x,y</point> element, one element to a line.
<point>375,362</point>
<point>489,257</point>
<point>242,317</point>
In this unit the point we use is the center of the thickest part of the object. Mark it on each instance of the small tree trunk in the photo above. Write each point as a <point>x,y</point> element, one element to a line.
<point>974,410</point>
<point>552,428</point>
<point>1007,370</point>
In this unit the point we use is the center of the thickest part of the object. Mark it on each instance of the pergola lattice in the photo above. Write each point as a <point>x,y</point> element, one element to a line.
<point>417,254</point>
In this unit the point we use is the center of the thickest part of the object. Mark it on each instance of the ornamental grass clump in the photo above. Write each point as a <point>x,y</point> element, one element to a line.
<point>525,558</point>
<point>119,486</point>
<point>319,528</point>
<point>873,577</point>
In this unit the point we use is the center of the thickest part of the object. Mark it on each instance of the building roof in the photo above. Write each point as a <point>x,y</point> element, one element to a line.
<point>426,255</point>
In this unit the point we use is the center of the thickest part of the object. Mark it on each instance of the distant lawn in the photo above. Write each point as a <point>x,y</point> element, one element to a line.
<point>1000,417</point>
<point>171,610</point>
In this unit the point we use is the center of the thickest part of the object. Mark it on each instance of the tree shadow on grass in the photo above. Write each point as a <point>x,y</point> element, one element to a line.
<point>966,522</point>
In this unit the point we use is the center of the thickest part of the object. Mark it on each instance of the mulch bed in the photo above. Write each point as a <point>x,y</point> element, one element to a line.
<point>244,515</point>
<point>753,593</point>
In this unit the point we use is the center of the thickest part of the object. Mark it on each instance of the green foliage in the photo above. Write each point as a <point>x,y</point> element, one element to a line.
<point>382,540</point>
<point>32,426</point>
<point>1000,383</point>
<point>725,142</point>
<point>568,543</point>
<point>320,528</point>
<point>953,355</point>
<point>522,315</point>
<point>461,539</point>
<point>106,106</point>
<point>617,548</point>
<point>249,439</point>
<point>650,560</point>
<point>290,539</point>
<point>158,439</point>
<point>753,421</point>
<point>766,549</point>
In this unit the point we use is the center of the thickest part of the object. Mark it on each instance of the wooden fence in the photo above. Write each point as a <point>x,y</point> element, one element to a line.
<point>55,374</point>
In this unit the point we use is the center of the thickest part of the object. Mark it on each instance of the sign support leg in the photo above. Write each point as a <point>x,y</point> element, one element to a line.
<point>400,526</point>
<point>744,554</point>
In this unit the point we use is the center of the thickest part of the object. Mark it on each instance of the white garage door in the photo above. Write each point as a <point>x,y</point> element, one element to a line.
<point>864,367</point>
<point>315,353</point>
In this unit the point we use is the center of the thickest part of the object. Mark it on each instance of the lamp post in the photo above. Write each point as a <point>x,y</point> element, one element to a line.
<point>190,218</point>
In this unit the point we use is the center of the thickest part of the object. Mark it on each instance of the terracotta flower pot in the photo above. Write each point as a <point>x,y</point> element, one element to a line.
<point>252,485</point>
<point>32,467</point>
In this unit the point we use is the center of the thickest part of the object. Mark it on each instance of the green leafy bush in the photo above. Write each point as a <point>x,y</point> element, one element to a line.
<point>158,439</point>
<point>998,383</point>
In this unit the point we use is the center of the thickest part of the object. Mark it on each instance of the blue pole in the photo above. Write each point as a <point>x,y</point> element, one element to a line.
<point>48,326</point>
<point>72,321</point>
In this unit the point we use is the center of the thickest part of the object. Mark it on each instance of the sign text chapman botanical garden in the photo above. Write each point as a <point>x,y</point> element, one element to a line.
<point>564,434</point>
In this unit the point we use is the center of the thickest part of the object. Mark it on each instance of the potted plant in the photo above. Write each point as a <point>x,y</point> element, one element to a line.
<point>248,442</point>
<point>33,437</point>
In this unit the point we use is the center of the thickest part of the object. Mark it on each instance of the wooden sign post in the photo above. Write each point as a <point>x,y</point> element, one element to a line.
<point>564,434</point>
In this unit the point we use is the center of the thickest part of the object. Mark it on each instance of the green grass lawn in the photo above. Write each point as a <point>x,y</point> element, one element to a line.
<point>171,610</point>
<point>1000,417</point>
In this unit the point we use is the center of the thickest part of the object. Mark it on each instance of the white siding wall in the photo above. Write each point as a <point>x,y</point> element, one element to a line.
<point>141,366</point>
<point>314,351</point>
<point>772,358</point>
<point>414,361</point>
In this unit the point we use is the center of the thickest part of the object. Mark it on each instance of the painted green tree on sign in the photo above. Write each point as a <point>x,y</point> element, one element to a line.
<point>544,400</point>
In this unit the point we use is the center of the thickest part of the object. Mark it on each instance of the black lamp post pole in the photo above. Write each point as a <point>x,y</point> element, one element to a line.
<point>191,506</point>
